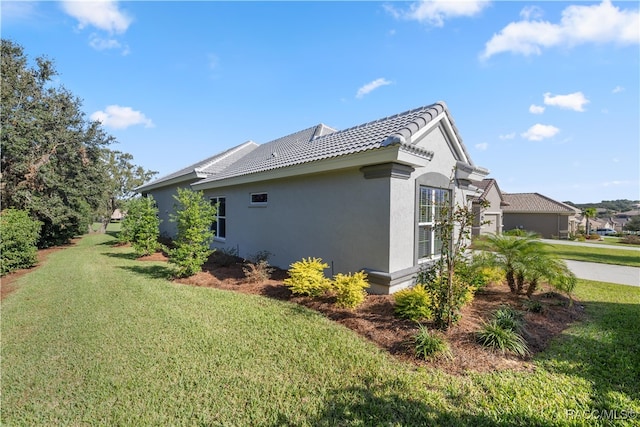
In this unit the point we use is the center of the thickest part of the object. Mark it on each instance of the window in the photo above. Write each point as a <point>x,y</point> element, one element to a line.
<point>258,198</point>
<point>430,202</point>
<point>220,224</point>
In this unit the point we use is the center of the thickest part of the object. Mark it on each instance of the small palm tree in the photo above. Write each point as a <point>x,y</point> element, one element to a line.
<point>543,266</point>
<point>589,213</point>
<point>508,253</point>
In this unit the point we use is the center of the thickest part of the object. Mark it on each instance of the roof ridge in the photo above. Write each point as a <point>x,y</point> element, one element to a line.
<point>221,156</point>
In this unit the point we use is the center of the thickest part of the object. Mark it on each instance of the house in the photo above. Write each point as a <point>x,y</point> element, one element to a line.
<point>362,198</point>
<point>487,208</point>
<point>540,214</point>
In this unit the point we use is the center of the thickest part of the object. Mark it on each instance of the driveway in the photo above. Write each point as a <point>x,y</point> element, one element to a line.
<point>605,273</point>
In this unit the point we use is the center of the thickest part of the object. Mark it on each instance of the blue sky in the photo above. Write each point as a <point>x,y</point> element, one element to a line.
<point>544,94</point>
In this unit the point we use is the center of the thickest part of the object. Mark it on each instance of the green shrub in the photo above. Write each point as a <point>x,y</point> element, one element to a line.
<point>533,306</point>
<point>499,338</point>
<point>306,277</point>
<point>19,237</point>
<point>141,226</point>
<point>508,318</point>
<point>429,345</point>
<point>350,289</point>
<point>413,303</point>
<point>194,216</point>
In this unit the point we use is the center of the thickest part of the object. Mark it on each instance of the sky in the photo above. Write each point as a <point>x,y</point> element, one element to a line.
<point>545,95</point>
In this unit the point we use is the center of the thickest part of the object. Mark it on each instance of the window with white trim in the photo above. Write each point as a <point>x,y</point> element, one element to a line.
<point>219,226</point>
<point>430,202</point>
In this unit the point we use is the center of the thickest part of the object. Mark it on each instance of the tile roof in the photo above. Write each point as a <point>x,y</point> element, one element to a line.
<point>207,167</point>
<point>486,185</point>
<point>321,142</point>
<point>534,203</point>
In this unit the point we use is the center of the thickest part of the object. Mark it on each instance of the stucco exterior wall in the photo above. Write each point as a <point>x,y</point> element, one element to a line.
<point>548,225</point>
<point>340,217</point>
<point>165,203</point>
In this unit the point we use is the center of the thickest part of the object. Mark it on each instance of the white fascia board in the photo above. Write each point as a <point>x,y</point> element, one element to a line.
<point>370,157</point>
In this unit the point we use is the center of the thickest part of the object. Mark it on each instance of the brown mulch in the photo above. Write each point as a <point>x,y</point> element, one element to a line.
<point>375,320</point>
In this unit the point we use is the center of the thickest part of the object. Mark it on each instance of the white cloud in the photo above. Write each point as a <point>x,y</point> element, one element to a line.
<point>507,136</point>
<point>539,132</point>
<point>118,117</point>
<point>99,43</point>
<point>617,89</point>
<point>101,14</point>
<point>435,12</point>
<point>536,109</point>
<point>573,101</point>
<point>369,87</point>
<point>22,10</point>
<point>602,23</point>
<point>531,12</point>
<point>482,146</point>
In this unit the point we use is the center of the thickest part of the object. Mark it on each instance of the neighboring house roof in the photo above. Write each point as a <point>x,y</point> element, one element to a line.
<point>485,186</point>
<point>535,203</point>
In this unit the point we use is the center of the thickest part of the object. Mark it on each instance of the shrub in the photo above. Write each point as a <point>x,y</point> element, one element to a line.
<point>534,306</point>
<point>20,235</point>
<point>497,337</point>
<point>306,277</point>
<point>141,226</point>
<point>258,272</point>
<point>350,289</point>
<point>225,257</point>
<point>429,345</point>
<point>631,239</point>
<point>194,216</point>
<point>508,318</point>
<point>413,303</point>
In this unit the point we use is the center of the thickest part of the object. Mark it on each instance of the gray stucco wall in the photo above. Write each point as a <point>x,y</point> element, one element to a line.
<point>339,217</point>
<point>548,225</point>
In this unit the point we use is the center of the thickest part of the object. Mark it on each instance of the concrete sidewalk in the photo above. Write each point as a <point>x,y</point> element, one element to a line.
<point>605,272</point>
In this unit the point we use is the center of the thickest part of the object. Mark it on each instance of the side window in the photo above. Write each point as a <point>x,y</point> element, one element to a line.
<point>220,224</point>
<point>259,199</point>
<point>430,201</point>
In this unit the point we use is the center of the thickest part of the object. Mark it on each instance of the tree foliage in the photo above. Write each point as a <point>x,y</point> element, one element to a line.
<point>55,162</point>
<point>141,225</point>
<point>193,217</point>
<point>18,244</point>
<point>51,155</point>
<point>122,178</point>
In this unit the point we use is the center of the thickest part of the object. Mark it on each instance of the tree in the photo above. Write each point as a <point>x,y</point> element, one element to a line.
<point>589,213</point>
<point>141,225</point>
<point>194,216</point>
<point>122,178</point>
<point>507,252</point>
<point>633,224</point>
<point>449,291</point>
<point>52,164</point>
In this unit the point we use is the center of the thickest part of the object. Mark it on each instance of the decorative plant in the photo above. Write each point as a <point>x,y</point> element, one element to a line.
<point>350,289</point>
<point>141,226</point>
<point>430,345</point>
<point>413,304</point>
<point>306,277</point>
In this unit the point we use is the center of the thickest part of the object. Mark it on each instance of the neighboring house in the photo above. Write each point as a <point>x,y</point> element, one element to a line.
<point>487,208</point>
<point>362,198</point>
<point>117,215</point>
<point>540,214</point>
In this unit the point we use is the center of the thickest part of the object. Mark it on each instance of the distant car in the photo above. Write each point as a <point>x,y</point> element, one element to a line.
<point>606,231</point>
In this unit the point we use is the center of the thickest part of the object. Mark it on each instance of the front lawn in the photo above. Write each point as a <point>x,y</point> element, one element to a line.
<point>95,337</point>
<point>626,257</point>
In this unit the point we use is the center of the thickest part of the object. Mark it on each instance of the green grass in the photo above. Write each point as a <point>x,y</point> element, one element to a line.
<point>94,337</point>
<point>629,258</point>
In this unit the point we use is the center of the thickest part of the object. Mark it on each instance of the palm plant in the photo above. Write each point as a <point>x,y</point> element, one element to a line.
<point>509,253</point>
<point>589,213</point>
